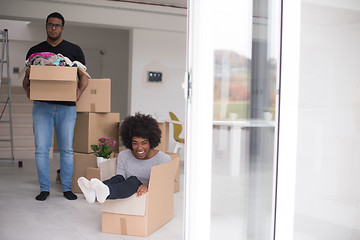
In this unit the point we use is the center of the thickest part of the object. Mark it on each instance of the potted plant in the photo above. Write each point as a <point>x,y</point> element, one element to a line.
<point>269,113</point>
<point>103,149</point>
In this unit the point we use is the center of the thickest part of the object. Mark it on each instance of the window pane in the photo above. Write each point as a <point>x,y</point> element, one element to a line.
<point>245,82</point>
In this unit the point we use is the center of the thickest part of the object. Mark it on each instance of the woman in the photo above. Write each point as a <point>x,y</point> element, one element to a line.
<point>140,134</point>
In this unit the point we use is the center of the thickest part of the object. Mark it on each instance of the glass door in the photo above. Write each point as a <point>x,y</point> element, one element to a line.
<point>230,169</point>
<point>246,66</point>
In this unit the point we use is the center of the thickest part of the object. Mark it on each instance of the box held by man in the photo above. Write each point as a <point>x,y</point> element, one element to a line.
<point>53,83</point>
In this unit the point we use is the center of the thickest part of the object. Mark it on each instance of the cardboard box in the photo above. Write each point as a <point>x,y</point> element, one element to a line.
<point>164,142</point>
<point>53,83</point>
<point>132,205</point>
<point>92,172</point>
<point>176,157</point>
<point>81,162</point>
<point>173,156</point>
<point>96,97</point>
<point>85,166</point>
<point>122,148</point>
<point>159,208</point>
<point>90,127</point>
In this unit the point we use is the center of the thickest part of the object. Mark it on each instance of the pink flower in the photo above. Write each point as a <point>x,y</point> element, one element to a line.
<point>103,149</point>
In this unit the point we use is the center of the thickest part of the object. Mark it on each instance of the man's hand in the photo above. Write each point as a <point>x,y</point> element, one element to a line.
<point>142,189</point>
<point>83,82</point>
<point>78,94</point>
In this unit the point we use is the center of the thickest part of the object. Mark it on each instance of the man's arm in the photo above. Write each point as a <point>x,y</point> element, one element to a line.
<point>83,83</point>
<point>26,82</point>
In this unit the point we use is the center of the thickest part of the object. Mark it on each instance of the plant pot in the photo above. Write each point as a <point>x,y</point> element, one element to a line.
<point>268,116</point>
<point>100,160</point>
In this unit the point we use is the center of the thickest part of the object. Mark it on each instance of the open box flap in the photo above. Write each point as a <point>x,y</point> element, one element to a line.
<point>107,169</point>
<point>163,174</point>
<point>132,205</point>
<point>26,67</point>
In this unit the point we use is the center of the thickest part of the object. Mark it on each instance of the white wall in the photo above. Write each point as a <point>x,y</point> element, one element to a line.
<point>328,179</point>
<point>161,52</point>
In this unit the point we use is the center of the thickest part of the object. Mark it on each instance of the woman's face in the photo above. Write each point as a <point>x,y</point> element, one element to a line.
<point>140,147</point>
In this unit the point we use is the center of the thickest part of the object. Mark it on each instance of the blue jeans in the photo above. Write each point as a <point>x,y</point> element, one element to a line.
<point>45,117</point>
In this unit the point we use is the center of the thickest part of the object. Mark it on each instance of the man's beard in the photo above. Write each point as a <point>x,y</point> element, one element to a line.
<point>54,38</point>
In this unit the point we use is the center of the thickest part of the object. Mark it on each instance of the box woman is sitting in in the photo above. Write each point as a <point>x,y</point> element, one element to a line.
<point>140,135</point>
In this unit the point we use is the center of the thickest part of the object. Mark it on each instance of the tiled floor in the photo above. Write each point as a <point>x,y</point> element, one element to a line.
<point>22,217</point>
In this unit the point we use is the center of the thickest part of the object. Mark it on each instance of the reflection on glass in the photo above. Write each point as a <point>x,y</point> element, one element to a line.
<point>231,85</point>
<point>232,44</point>
<point>246,66</point>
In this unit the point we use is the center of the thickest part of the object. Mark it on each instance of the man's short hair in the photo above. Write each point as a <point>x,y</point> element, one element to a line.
<point>56,15</point>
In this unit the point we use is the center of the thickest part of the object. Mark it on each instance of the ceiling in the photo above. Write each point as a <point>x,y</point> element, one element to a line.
<point>167,3</point>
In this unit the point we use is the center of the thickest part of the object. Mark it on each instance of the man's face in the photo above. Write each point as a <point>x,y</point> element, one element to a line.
<point>54,28</point>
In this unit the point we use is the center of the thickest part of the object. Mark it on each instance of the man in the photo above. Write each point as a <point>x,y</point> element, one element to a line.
<point>62,115</point>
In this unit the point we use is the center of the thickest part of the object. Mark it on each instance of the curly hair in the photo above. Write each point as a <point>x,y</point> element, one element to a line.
<point>140,125</point>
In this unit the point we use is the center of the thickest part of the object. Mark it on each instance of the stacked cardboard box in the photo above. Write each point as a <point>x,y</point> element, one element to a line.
<point>81,163</point>
<point>94,120</point>
<point>164,142</point>
<point>96,98</point>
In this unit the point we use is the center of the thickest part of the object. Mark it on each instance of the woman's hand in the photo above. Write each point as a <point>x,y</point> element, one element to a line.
<point>142,189</point>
